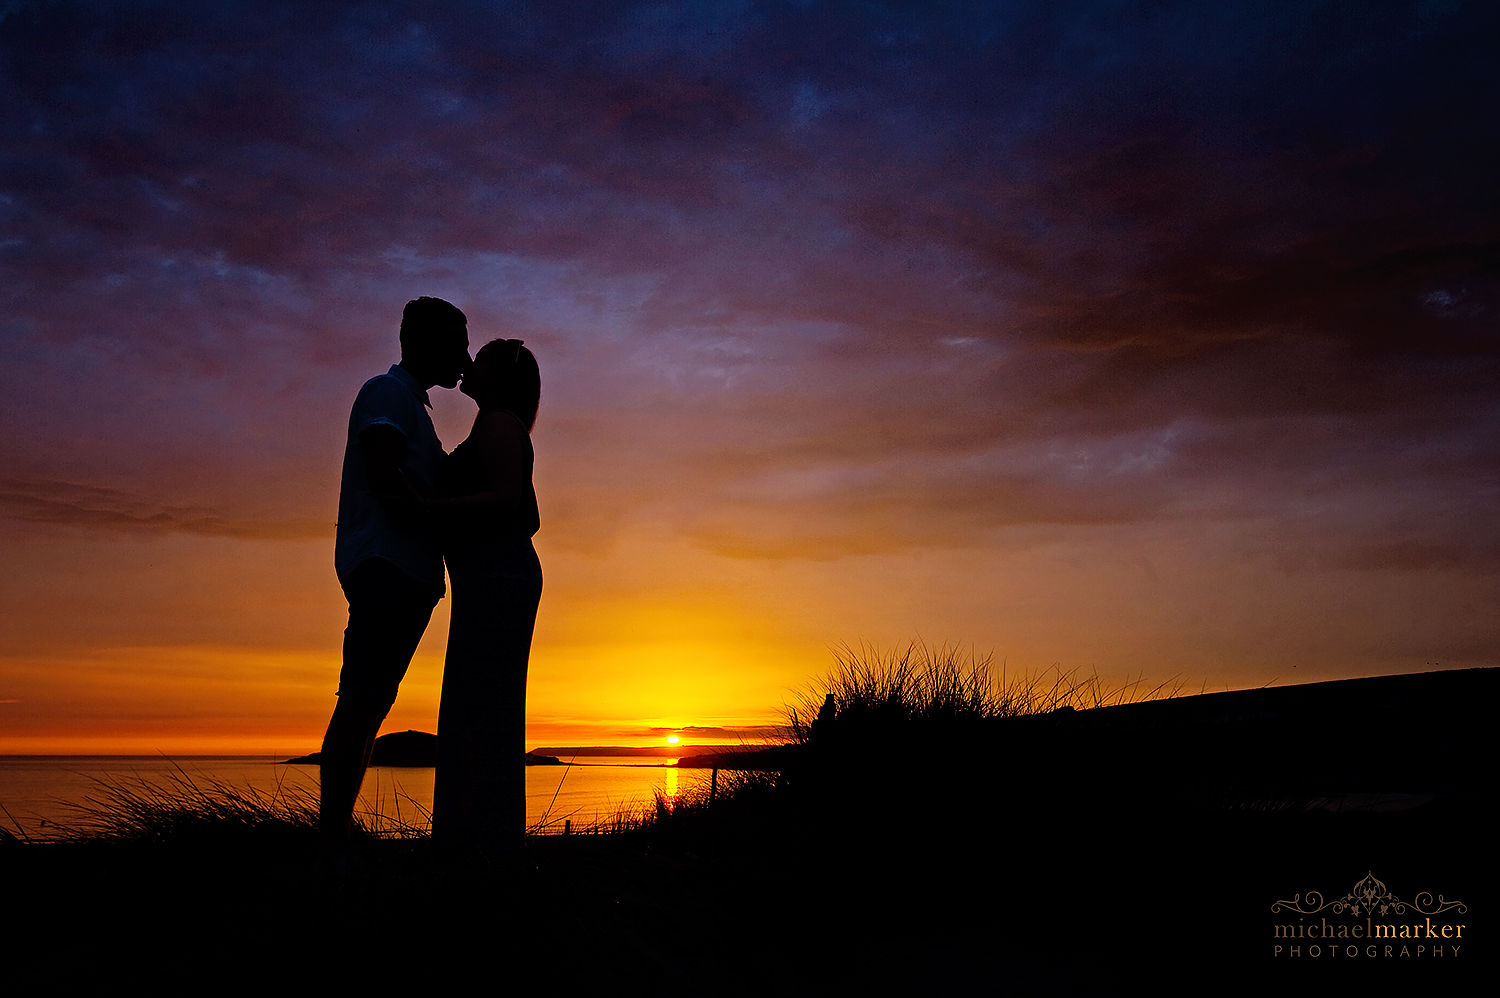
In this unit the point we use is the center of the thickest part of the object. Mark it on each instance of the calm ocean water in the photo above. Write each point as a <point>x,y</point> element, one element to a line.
<point>44,796</point>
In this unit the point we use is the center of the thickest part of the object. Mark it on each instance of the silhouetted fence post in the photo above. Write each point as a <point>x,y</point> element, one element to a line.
<point>713,785</point>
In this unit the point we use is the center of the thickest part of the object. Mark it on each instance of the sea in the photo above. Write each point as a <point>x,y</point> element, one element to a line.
<point>50,797</point>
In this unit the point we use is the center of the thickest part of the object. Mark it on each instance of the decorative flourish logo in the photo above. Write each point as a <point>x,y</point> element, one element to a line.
<point>1369,897</point>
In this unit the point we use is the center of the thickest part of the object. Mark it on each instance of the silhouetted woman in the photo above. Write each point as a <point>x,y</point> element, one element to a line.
<point>489,506</point>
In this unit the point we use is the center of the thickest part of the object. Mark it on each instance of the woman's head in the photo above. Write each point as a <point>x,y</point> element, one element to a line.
<point>504,375</point>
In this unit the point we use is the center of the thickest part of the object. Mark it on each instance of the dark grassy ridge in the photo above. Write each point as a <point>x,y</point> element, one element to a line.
<point>1095,852</point>
<point>1159,833</point>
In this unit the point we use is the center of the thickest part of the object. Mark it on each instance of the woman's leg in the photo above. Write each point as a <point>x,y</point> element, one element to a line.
<point>479,799</point>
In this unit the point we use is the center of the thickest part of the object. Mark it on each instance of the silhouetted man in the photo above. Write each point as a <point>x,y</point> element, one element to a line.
<point>387,554</point>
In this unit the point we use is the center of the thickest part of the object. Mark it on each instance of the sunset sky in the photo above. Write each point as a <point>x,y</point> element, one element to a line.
<point>1143,338</point>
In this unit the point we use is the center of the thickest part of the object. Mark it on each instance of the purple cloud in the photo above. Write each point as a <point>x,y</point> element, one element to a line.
<point>814,280</point>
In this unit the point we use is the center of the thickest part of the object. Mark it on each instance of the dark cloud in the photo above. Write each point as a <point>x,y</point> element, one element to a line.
<point>810,279</point>
<point>99,508</point>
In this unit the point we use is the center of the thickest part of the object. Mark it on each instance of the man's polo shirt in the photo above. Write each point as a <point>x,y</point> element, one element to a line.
<point>366,528</point>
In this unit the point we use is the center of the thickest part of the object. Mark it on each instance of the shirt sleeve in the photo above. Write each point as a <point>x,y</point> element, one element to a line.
<point>383,401</point>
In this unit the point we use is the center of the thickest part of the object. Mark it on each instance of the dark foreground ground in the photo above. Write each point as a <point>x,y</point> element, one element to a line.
<point>1101,854</point>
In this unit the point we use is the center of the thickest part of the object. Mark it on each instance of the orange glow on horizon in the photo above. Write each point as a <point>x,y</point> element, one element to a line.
<point>206,700</point>
<point>651,639</point>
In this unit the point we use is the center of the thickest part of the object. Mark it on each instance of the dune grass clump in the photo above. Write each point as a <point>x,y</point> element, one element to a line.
<point>185,811</point>
<point>725,788</point>
<point>182,810</point>
<point>944,686</point>
<point>735,802</point>
<point>709,801</point>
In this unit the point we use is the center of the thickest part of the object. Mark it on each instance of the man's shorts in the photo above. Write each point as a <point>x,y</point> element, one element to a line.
<point>388,611</point>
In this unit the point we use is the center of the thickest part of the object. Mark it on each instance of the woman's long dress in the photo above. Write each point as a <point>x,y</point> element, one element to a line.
<point>479,800</point>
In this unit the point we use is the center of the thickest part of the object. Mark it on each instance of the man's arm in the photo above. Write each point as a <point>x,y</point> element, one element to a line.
<point>505,461</point>
<point>382,447</point>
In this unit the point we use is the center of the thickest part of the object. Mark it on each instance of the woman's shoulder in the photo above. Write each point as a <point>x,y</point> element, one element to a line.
<point>502,420</point>
<point>500,426</point>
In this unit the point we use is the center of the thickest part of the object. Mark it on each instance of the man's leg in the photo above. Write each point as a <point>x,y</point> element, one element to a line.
<point>346,755</point>
<point>388,611</point>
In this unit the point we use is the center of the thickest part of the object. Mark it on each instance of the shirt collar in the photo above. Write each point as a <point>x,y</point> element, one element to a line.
<point>402,375</point>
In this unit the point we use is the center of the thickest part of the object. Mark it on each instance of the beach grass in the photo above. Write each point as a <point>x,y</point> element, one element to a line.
<point>945,685</point>
<point>184,809</point>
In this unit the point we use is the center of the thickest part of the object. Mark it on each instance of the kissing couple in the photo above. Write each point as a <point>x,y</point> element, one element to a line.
<point>406,507</point>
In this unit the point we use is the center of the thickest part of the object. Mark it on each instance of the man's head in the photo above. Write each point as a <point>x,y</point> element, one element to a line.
<point>434,341</point>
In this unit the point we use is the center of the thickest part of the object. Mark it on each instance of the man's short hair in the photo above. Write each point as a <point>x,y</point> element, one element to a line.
<point>425,318</point>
